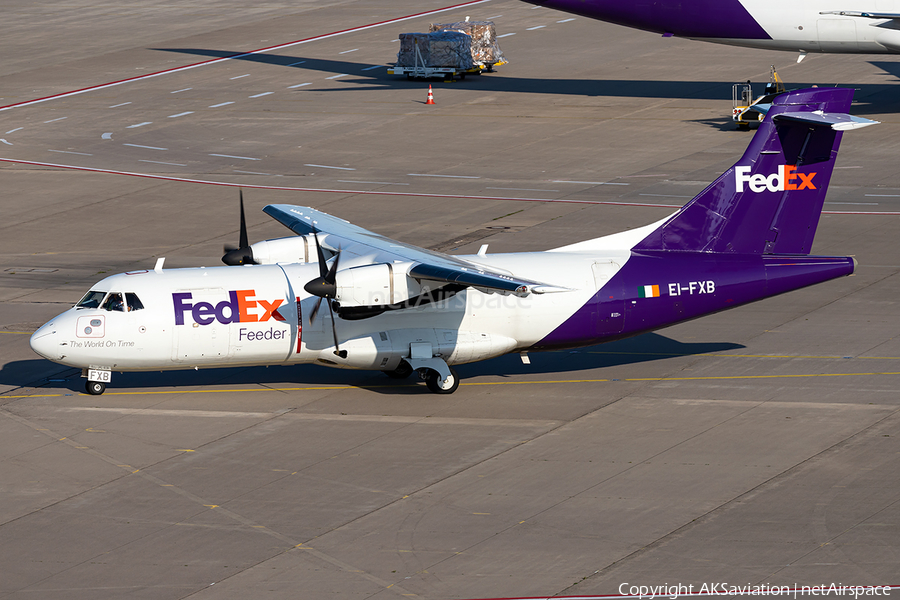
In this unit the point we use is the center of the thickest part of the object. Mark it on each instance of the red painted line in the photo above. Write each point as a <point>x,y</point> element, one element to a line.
<point>326,190</point>
<point>238,55</point>
<point>370,192</point>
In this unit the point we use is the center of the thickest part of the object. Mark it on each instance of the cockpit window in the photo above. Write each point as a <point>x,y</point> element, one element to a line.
<point>91,300</point>
<point>114,302</point>
<point>134,303</point>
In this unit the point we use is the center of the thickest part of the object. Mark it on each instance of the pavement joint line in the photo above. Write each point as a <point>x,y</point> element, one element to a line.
<point>472,383</point>
<point>291,543</point>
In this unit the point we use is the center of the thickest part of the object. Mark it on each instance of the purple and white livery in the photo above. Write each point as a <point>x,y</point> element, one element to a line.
<point>398,308</point>
<point>846,26</point>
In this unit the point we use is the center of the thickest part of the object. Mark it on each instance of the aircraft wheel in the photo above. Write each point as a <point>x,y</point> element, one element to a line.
<point>402,371</point>
<point>433,381</point>
<point>95,388</point>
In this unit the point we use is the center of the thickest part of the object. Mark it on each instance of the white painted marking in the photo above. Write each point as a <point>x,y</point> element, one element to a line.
<point>241,76</point>
<point>565,20</point>
<point>261,95</point>
<point>252,172</point>
<point>290,87</point>
<point>587,182</point>
<point>378,182</point>
<point>221,104</point>
<point>147,147</point>
<point>231,156</point>
<point>107,136</point>
<point>883,195</point>
<point>179,91</point>
<point>505,35</point>
<point>665,196</point>
<point>533,28</point>
<point>450,176</point>
<point>336,76</point>
<point>244,54</point>
<point>118,105</point>
<point>374,67</point>
<point>5,142</point>
<point>156,162</point>
<point>521,189</point>
<point>348,51</point>
<point>70,152</point>
<point>856,203</point>
<point>139,125</point>
<point>296,63</point>
<point>494,17</point>
<point>190,112</point>
<point>16,129</point>
<point>327,167</point>
<point>55,120</point>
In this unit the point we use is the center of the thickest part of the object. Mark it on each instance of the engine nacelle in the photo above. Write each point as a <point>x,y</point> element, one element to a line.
<point>376,285</point>
<point>295,249</point>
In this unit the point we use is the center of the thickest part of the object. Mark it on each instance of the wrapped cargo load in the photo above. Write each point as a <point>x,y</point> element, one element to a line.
<point>450,49</point>
<point>484,48</point>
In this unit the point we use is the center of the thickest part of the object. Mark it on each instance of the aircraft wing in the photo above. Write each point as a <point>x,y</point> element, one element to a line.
<point>427,264</point>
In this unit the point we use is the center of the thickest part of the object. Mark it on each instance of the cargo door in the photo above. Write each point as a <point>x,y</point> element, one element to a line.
<point>197,344</point>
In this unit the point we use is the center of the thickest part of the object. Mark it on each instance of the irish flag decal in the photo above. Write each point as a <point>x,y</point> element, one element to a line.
<point>648,291</point>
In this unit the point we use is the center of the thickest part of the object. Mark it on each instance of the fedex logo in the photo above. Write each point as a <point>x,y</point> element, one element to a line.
<point>241,307</point>
<point>785,179</point>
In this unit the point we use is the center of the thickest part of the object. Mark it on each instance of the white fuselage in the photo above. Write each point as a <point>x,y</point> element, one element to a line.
<point>260,314</point>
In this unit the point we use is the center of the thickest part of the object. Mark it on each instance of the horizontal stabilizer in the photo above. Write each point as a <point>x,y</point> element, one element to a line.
<point>838,122</point>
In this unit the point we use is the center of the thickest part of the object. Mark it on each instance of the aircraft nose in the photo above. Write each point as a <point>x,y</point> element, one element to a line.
<point>45,342</point>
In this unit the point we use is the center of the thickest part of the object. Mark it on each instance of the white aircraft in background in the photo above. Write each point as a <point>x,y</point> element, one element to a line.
<point>845,26</point>
<point>398,308</point>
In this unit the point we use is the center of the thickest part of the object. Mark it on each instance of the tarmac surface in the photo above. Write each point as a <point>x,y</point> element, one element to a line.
<point>758,445</point>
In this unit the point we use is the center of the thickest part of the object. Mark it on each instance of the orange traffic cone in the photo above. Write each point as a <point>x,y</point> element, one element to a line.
<point>430,96</point>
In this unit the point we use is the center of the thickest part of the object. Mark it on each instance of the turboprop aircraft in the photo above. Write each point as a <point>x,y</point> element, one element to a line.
<point>845,26</point>
<point>344,297</point>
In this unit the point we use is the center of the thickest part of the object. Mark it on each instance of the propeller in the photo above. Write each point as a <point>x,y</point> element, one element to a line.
<point>241,254</point>
<point>325,287</point>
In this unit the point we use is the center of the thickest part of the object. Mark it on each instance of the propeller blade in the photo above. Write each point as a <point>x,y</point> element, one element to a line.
<point>241,254</point>
<point>315,311</point>
<point>321,256</point>
<point>337,348</point>
<point>244,242</point>
<point>332,272</point>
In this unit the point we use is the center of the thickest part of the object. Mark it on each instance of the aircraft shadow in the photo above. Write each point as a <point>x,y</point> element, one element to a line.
<point>880,98</point>
<point>643,348</point>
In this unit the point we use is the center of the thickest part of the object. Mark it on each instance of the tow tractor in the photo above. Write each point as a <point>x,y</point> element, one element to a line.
<point>745,110</point>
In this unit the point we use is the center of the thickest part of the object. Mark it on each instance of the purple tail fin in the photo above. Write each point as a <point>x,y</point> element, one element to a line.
<point>769,202</point>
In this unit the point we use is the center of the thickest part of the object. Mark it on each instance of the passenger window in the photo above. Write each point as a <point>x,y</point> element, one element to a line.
<point>134,303</point>
<point>114,302</point>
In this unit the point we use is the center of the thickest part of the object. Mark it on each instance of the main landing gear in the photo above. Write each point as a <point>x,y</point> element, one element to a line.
<point>438,376</point>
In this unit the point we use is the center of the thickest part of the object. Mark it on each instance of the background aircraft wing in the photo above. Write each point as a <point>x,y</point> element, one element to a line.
<point>427,264</point>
